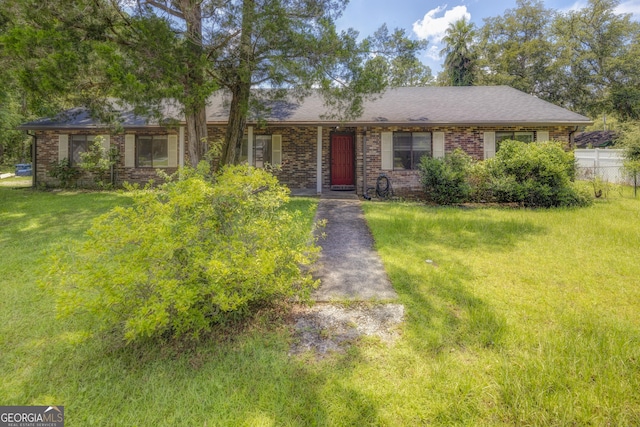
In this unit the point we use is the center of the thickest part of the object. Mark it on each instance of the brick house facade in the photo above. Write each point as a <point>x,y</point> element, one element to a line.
<point>315,154</point>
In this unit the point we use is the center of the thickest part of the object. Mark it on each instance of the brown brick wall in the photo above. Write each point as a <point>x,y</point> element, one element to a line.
<point>299,153</point>
<point>407,182</point>
<point>47,153</point>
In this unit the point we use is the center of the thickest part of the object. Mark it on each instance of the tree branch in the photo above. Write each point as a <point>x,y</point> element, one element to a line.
<point>165,8</point>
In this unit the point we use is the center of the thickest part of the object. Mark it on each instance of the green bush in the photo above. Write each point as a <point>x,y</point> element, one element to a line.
<point>64,172</point>
<point>535,174</point>
<point>99,161</point>
<point>186,256</point>
<point>631,144</point>
<point>445,180</point>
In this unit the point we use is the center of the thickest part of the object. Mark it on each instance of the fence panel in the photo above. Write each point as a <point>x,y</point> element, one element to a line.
<point>607,163</point>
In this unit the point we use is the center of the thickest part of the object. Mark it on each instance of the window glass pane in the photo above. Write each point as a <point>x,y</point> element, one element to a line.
<point>501,136</point>
<point>160,151</point>
<point>144,151</point>
<point>524,136</point>
<point>402,150</point>
<point>421,147</point>
<point>78,145</point>
<point>262,153</point>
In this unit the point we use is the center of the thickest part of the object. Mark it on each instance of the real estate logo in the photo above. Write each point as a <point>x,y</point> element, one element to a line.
<point>31,416</point>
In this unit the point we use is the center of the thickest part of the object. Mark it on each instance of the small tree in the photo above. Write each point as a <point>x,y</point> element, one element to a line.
<point>631,142</point>
<point>99,161</point>
<point>186,256</point>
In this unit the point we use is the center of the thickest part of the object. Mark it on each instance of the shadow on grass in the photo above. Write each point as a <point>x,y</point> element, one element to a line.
<point>246,380</point>
<point>425,252</point>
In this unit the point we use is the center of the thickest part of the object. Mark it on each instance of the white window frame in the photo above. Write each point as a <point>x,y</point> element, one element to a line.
<point>153,138</point>
<point>397,162</point>
<point>515,135</point>
<point>73,139</point>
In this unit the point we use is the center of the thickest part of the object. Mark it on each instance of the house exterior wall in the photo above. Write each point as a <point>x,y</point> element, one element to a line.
<point>468,138</point>
<point>47,154</point>
<point>299,152</point>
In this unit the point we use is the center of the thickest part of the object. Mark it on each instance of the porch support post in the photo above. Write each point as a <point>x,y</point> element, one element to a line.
<point>181,147</point>
<point>319,162</point>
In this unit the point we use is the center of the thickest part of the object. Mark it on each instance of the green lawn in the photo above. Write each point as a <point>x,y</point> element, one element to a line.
<point>524,317</point>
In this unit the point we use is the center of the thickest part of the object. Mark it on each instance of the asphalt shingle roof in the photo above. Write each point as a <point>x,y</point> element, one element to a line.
<point>431,105</point>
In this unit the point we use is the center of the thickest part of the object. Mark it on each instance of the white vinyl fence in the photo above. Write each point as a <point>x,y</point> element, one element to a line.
<point>603,162</point>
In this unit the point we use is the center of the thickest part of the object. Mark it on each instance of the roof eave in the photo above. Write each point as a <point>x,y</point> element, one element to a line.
<point>331,123</point>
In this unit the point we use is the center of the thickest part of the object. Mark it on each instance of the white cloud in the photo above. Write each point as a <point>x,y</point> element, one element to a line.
<point>578,5</point>
<point>433,28</point>
<point>631,6</point>
<point>433,52</point>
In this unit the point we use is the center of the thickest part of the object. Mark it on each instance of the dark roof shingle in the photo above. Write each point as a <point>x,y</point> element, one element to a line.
<point>431,105</point>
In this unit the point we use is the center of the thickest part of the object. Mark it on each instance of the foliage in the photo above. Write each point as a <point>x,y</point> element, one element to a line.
<point>65,172</point>
<point>631,145</point>
<point>445,180</point>
<point>187,256</point>
<point>601,187</point>
<point>587,59</point>
<point>597,59</point>
<point>515,48</point>
<point>98,161</point>
<point>460,55</point>
<point>513,327</point>
<point>537,174</point>
<point>88,52</point>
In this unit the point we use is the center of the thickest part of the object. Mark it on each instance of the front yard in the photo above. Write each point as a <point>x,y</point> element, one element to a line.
<point>514,317</point>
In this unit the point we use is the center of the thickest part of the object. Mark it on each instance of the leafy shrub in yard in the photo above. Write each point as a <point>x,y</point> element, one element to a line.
<point>534,174</point>
<point>99,161</point>
<point>187,255</point>
<point>64,172</point>
<point>445,180</point>
<point>631,145</point>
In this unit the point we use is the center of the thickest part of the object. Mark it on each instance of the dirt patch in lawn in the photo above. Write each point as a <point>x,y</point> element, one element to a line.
<point>326,328</point>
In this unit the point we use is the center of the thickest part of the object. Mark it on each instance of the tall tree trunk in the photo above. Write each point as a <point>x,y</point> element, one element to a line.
<point>241,89</point>
<point>237,123</point>
<point>195,106</point>
<point>197,134</point>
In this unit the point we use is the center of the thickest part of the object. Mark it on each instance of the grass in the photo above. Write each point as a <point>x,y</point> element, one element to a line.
<point>532,313</point>
<point>16,182</point>
<point>523,317</point>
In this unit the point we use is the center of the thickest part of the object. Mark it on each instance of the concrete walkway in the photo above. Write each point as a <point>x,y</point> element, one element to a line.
<point>349,268</point>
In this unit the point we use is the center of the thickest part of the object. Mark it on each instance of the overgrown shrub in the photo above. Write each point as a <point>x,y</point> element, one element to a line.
<point>631,144</point>
<point>64,172</point>
<point>445,180</point>
<point>535,174</point>
<point>187,255</point>
<point>99,161</point>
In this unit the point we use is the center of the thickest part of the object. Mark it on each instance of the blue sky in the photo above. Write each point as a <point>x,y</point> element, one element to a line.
<point>428,19</point>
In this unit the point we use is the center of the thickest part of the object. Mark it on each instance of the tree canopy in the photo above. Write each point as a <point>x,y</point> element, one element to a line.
<point>56,54</point>
<point>460,56</point>
<point>150,52</point>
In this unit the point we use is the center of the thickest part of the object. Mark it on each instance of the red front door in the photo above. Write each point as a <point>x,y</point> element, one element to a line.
<point>342,161</point>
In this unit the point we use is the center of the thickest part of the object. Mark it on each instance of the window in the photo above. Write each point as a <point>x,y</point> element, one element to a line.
<point>516,136</point>
<point>262,150</point>
<point>152,151</point>
<point>409,147</point>
<point>79,144</point>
